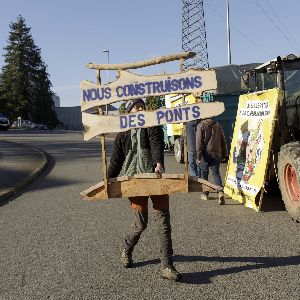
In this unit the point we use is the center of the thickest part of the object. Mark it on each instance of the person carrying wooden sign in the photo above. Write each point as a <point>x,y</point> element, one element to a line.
<point>139,145</point>
<point>141,150</point>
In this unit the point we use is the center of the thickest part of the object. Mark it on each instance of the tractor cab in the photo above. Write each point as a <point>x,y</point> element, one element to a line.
<point>283,73</point>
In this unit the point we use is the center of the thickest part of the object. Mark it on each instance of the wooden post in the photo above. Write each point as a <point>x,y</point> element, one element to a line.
<point>185,153</point>
<point>102,140</point>
<point>181,64</point>
<point>98,77</point>
<point>104,165</point>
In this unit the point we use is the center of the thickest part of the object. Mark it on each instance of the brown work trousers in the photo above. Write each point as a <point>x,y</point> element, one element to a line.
<point>162,218</point>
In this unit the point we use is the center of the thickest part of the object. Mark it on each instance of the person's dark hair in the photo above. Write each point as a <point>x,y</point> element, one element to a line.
<point>131,103</point>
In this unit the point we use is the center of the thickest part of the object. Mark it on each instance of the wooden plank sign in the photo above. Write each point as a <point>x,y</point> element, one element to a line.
<point>95,125</point>
<point>148,184</point>
<point>131,86</point>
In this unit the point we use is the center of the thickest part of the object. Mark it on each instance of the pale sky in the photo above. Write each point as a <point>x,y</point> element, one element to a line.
<point>73,33</point>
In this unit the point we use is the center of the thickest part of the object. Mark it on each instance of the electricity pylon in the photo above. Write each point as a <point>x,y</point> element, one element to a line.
<point>194,34</point>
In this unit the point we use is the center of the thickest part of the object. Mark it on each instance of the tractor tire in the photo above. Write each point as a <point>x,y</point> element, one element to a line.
<point>178,151</point>
<point>289,178</point>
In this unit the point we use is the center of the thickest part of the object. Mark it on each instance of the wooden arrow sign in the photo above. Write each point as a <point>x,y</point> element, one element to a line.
<point>131,86</point>
<point>95,125</point>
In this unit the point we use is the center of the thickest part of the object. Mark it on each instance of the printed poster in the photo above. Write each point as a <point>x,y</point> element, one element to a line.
<point>175,100</point>
<point>250,145</point>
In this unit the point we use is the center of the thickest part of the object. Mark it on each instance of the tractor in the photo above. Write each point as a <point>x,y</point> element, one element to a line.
<point>284,164</point>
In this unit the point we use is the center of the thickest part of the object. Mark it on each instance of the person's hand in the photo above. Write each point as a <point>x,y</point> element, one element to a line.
<point>159,169</point>
<point>198,162</point>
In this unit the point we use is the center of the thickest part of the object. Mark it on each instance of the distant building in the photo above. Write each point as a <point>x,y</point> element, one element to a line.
<point>71,119</point>
<point>56,100</point>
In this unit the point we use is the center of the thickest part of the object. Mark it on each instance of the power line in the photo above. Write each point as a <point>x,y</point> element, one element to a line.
<point>273,22</point>
<point>240,32</point>
<point>282,24</point>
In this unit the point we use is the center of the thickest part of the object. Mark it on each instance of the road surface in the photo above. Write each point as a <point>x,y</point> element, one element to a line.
<point>54,245</point>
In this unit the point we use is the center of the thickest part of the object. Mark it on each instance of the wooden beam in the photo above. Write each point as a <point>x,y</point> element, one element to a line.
<point>142,64</point>
<point>198,185</point>
<point>98,77</point>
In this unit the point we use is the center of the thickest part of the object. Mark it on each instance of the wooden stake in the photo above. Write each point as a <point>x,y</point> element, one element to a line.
<point>102,140</point>
<point>181,65</point>
<point>185,154</point>
<point>104,165</point>
<point>98,77</point>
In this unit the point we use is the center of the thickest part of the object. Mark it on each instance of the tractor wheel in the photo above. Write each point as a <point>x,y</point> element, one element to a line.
<point>289,177</point>
<point>178,151</point>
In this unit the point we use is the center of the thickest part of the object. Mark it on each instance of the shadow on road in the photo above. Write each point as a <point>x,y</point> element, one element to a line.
<point>256,264</point>
<point>205,277</point>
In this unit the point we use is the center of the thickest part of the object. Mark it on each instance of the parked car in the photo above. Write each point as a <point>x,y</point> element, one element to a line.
<point>41,126</point>
<point>4,122</point>
<point>24,124</point>
<point>28,124</point>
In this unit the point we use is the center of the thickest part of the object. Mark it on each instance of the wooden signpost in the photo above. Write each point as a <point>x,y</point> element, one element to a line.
<point>131,86</point>
<point>95,125</point>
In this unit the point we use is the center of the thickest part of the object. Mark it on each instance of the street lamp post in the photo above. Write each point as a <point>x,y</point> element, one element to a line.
<point>107,51</point>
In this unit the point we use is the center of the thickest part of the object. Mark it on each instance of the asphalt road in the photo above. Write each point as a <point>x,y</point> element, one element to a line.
<point>54,245</point>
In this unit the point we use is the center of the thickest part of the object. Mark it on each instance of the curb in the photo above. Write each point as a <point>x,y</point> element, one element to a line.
<point>31,177</point>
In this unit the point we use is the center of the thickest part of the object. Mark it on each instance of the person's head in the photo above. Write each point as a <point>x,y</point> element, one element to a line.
<point>135,105</point>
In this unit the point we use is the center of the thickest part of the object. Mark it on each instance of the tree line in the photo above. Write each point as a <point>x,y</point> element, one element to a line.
<point>152,103</point>
<point>25,86</point>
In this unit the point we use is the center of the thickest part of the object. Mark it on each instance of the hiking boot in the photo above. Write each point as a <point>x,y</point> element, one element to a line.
<point>204,197</point>
<point>126,259</point>
<point>221,198</point>
<point>169,272</point>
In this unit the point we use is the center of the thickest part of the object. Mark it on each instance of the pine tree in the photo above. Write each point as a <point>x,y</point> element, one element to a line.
<point>15,88</point>
<point>153,102</point>
<point>122,108</point>
<point>43,105</point>
<point>25,87</point>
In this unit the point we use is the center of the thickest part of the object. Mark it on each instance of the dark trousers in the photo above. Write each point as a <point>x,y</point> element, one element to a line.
<point>162,218</point>
<point>212,162</point>
<point>194,169</point>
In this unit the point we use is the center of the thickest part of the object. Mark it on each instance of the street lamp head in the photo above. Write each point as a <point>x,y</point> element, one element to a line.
<point>105,50</point>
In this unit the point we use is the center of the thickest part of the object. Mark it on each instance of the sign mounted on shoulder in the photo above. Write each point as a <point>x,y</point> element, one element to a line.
<point>131,86</point>
<point>98,124</point>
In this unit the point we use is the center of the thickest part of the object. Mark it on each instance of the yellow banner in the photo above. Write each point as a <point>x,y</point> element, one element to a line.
<point>252,138</point>
<point>175,100</point>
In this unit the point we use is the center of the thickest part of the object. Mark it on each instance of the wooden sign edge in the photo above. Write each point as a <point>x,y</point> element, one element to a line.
<point>194,185</point>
